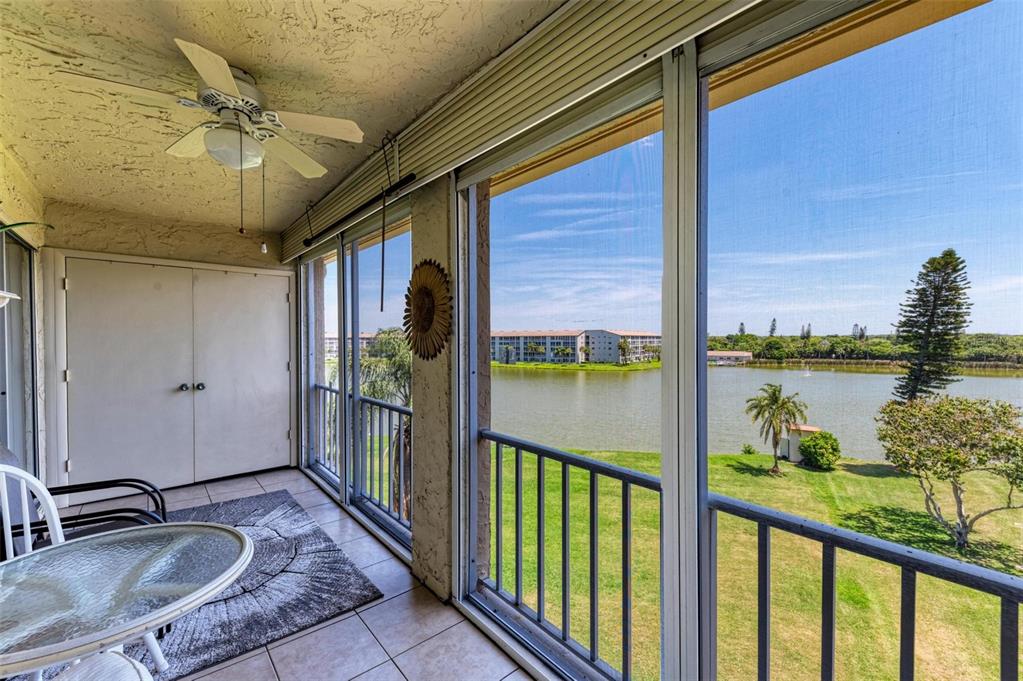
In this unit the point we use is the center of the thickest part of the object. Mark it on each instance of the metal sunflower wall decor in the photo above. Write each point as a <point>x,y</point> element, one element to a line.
<point>427,321</point>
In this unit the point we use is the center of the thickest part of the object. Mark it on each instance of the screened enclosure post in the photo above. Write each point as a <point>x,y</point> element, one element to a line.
<point>390,460</point>
<point>907,625</point>
<point>518,526</point>
<point>540,536</point>
<point>566,619</point>
<point>401,466</point>
<point>1010,640</point>
<point>828,613</point>
<point>594,611</point>
<point>763,602</point>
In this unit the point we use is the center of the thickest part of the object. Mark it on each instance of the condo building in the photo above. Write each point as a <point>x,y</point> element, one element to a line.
<point>572,346</point>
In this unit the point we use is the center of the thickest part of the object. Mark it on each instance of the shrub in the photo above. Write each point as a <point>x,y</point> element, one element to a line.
<point>748,450</point>
<point>820,450</point>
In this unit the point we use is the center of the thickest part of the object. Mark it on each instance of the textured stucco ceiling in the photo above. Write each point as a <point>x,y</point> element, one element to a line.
<point>379,62</point>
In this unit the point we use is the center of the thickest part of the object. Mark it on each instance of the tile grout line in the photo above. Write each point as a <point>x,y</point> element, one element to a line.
<point>272,665</point>
<point>431,636</point>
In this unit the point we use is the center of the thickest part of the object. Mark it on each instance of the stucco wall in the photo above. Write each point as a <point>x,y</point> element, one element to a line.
<point>432,492</point>
<point>20,201</point>
<point>110,231</point>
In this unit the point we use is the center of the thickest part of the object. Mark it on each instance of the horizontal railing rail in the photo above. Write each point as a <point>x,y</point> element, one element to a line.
<point>512,595</point>
<point>911,561</point>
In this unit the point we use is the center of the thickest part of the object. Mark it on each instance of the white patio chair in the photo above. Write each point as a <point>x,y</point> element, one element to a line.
<point>24,500</point>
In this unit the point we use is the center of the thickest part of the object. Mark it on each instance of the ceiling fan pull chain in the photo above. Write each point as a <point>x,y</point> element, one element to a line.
<point>262,195</point>
<point>241,180</point>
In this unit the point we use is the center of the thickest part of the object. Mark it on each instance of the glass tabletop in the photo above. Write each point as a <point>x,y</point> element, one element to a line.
<point>90,588</point>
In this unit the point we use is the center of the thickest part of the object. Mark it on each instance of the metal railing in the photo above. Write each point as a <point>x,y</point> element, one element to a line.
<point>910,561</point>
<point>508,600</point>
<point>382,468</point>
<point>324,444</point>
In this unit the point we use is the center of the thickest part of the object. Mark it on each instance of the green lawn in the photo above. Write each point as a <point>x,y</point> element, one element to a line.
<point>957,629</point>
<point>585,366</point>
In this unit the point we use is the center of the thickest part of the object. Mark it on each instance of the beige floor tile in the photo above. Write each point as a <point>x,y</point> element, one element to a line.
<point>327,513</point>
<point>190,493</point>
<point>392,577</point>
<point>296,485</point>
<point>460,653</point>
<point>344,530</point>
<point>518,675</point>
<point>237,494</point>
<point>255,667</point>
<point>366,551</point>
<point>409,619</point>
<point>311,498</point>
<point>140,501</point>
<point>233,485</point>
<point>309,630</point>
<point>336,653</point>
<point>187,503</point>
<point>280,476</point>
<point>69,511</point>
<point>385,672</point>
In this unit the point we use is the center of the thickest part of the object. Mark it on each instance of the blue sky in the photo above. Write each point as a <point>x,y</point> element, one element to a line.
<point>826,194</point>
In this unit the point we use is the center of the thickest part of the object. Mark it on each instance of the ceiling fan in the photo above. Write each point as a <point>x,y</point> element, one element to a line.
<point>246,129</point>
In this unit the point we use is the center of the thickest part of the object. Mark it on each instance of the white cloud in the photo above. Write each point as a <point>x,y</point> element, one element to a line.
<point>560,198</point>
<point>759,258</point>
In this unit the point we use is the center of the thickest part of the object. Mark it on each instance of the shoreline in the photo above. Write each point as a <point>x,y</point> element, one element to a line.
<point>588,366</point>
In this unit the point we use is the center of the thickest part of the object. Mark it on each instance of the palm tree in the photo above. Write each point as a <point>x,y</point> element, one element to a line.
<point>775,412</point>
<point>623,351</point>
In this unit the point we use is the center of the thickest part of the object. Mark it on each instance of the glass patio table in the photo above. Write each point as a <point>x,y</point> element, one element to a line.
<point>87,595</point>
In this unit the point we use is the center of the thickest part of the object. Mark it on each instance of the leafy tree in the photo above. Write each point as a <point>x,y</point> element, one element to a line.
<point>748,450</point>
<point>742,328</point>
<point>586,350</point>
<point>653,350</point>
<point>940,440</point>
<point>863,333</point>
<point>775,412</point>
<point>773,348</point>
<point>387,372</point>
<point>820,450</point>
<point>623,351</point>
<point>774,327</point>
<point>536,349</point>
<point>931,322</point>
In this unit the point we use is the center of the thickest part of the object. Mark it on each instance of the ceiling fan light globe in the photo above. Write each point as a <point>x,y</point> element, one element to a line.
<point>223,144</point>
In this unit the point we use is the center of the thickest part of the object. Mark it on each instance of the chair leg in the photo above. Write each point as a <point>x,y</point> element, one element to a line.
<point>154,651</point>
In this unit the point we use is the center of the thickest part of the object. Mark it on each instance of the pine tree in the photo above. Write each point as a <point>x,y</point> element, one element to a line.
<point>774,327</point>
<point>802,332</point>
<point>742,328</point>
<point>931,321</point>
<point>863,333</point>
<point>809,331</point>
<point>856,331</point>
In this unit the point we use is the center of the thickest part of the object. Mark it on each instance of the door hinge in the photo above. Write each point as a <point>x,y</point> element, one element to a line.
<point>67,466</point>
<point>65,283</point>
<point>67,375</point>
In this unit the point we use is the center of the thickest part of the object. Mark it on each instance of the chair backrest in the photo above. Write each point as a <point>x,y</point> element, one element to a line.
<point>22,497</point>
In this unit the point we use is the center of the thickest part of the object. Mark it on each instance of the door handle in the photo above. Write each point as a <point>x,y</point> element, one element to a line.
<point>183,387</point>
<point>200,386</point>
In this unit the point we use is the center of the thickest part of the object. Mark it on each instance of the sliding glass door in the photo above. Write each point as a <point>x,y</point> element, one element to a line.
<point>17,367</point>
<point>359,370</point>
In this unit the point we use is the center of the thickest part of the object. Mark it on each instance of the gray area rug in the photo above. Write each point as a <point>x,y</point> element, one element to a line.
<point>298,577</point>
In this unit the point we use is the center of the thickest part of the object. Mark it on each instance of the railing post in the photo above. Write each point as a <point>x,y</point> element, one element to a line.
<point>594,611</point>
<point>626,582</point>
<point>499,529</point>
<point>390,459</point>
<point>763,602</point>
<point>907,626</point>
<point>1010,640</point>
<point>828,613</point>
<point>518,526</point>
<point>540,536</point>
<point>566,619</point>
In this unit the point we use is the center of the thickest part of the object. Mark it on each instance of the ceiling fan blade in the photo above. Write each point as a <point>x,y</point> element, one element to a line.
<point>191,144</point>
<point>212,68</point>
<point>294,157</point>
<point>93,82</point>
<point>338,128</point>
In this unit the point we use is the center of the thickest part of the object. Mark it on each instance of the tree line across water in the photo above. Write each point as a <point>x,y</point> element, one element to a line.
<point>975,347</point>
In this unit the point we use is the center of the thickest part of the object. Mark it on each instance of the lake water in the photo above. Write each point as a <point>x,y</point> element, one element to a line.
<point>621,410</point>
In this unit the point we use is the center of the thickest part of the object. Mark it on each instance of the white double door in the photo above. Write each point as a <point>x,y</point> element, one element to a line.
<point>176,374</point>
